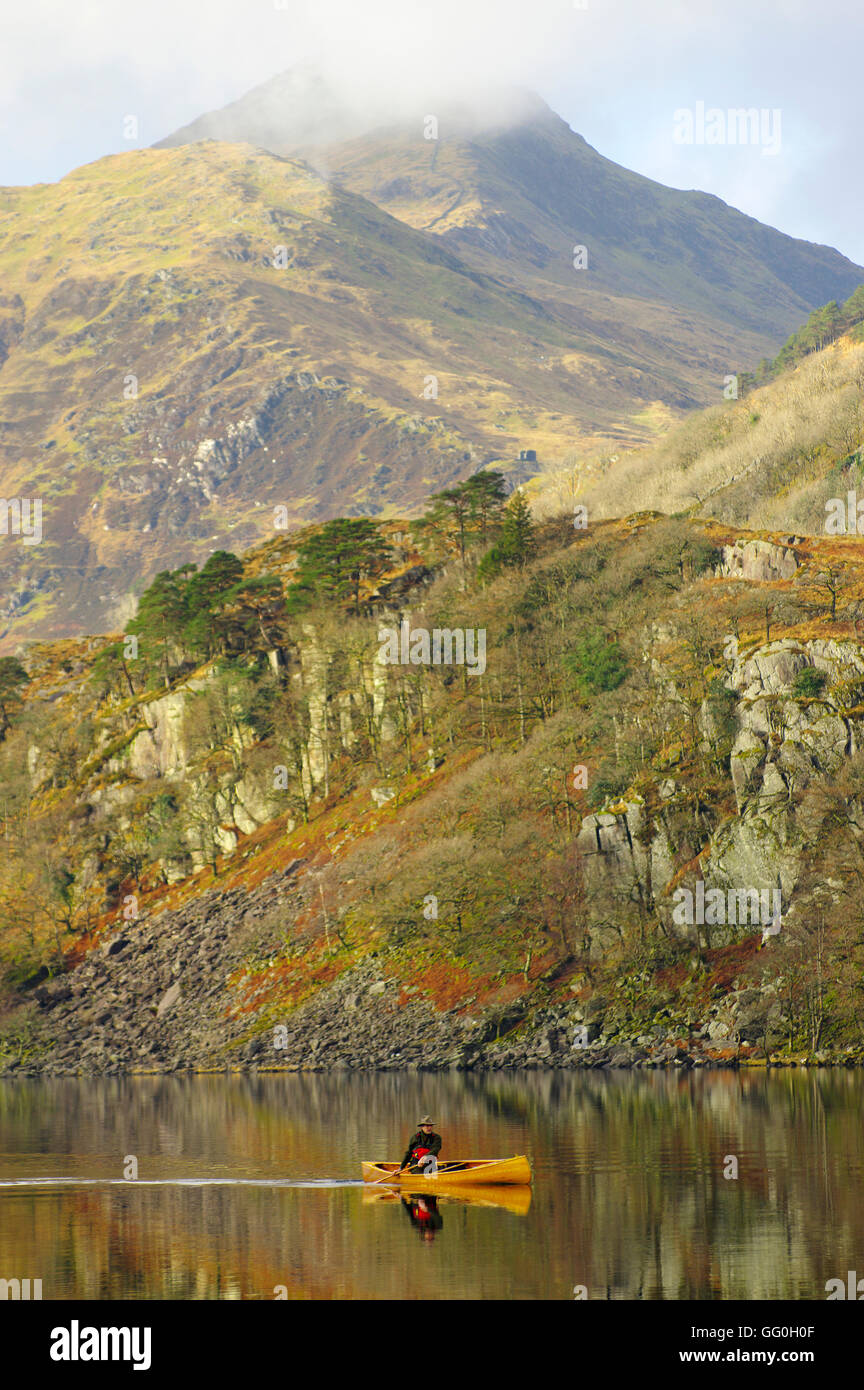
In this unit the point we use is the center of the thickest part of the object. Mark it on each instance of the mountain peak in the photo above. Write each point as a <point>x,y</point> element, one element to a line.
<point>302,109</point>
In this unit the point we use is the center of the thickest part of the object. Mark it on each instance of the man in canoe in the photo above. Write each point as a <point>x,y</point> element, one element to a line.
<point>423,1149</point>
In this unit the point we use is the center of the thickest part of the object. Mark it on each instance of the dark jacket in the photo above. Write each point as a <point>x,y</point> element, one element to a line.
<point>432,1142</point>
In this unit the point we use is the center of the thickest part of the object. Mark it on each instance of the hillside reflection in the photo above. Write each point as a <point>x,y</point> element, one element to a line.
<point>629,1199</point>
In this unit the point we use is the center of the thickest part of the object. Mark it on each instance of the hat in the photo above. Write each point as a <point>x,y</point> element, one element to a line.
<point>427,1120</point>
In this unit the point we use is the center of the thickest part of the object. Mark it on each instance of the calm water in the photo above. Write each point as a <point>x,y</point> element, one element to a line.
<point>249,1183</point>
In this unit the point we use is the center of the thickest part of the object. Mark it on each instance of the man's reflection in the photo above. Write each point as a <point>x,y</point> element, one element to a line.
<point>424,1215</point>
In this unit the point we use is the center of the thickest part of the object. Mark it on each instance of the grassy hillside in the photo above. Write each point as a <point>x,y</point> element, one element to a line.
<point>499,849</point>
<point>769,460</point>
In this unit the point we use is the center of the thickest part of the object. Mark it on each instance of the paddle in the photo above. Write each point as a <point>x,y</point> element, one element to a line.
<point>391,1176</point>
<point>399,1171</point>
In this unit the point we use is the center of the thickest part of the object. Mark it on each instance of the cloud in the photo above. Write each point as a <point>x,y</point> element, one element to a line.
<point>616,70</point>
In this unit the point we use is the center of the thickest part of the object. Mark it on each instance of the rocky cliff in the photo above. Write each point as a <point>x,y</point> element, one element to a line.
<point>565,861</point>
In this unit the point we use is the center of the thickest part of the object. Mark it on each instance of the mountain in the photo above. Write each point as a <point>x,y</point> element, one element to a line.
<point>165,385</point>
<point>515,190</point>
<point>337,320</point>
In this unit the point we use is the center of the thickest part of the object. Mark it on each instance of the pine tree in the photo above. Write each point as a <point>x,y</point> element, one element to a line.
<point>853,307</point>
<point>110,671</point>
<point>595,664</point>
<point>162,615</point>
<point>469,508</point>
<point>334,561</point>
<point>518,537</point>
<point>517,542</point>
<point>206,595</point>
<point>254,613</point>
<point>450,513</point>
<point>486,492</point>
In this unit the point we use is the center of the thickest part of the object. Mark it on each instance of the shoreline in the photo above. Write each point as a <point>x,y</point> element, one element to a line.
<point>689,1063</point>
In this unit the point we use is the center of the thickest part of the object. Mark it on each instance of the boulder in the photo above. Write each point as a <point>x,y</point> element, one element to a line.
<point>168,1001</point>
<point>757,560</point>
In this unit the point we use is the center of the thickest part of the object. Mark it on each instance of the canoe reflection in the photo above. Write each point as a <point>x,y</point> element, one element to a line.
<point>516,1199</point>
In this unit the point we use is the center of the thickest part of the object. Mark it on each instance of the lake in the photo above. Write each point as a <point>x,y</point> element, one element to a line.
<point>248,1186</point>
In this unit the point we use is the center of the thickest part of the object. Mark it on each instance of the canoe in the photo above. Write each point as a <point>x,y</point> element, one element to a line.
<point>510,1197</point>
<point>463,1172</point>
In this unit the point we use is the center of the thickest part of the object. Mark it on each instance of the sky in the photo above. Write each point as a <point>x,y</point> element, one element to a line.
<point>649,85</point>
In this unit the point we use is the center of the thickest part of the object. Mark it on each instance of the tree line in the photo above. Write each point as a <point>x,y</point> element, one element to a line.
<point>823,326</point>
<point>187,616</point>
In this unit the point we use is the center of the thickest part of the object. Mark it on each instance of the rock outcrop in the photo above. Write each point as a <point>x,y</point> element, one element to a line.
<point>758,560</point>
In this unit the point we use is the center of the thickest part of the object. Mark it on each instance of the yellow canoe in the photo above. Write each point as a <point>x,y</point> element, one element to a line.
<point>464,1172</point>
<point>509,1197</point>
